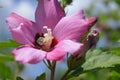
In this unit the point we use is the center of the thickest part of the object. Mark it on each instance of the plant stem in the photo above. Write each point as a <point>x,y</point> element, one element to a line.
<point>53,70</point>
<point>65,75</point>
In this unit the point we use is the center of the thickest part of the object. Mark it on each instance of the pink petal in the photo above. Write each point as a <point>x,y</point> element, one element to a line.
<point>92,20</point>
<point>22,30</point>
<point>62,48</point>
<point>73,27</point>
<point>28,54</point>
<point>48,13</point>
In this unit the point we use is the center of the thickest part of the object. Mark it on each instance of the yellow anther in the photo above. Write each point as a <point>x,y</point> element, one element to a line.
<point>46,40</point>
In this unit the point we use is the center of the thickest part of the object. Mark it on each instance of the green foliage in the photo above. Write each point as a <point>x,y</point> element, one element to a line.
<point>5,58</point>
<point>41,77</point>
<point>99,74</point>
<point>5,51</point>
<point>10,44</point>
<point>114,15</point>
<point>117,1</point>
<point>64,3</point>
<point>103,18</point>
<point>99,59</point>
<point>74,63</point>
<point>5,72</point>
<point>19,78</point>
<point>116,50</point>
<point>85,76</point>
<point>114,76</point>
<point>113,35</point>
<point>74,78</point>
<point>77,71</point>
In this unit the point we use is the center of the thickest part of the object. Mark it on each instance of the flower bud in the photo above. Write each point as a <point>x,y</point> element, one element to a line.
<point>90,42</point>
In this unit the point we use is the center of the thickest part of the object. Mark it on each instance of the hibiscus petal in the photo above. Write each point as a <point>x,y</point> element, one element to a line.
<point>28,54</point>
<point>73,27</point>
<point>22,30</point>
<point>62,48</point>
<point>48,13</point>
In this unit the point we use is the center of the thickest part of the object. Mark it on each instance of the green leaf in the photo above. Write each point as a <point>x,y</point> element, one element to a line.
<point>117,1</point>
<point>9,44</point>
<point>73,78</point>
<point>41,77</point>
<point>99,59</point>
<point>116,50</point>
<point>116,68</point>
<point>5,58</point>
<point>5,72</point>
<point>77,71</point>
<point>19,78</point>
<point>6,51</point>
<point>114,75</point>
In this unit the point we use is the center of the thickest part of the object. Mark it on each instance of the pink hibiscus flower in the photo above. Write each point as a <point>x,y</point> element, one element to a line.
<point>52,34</point>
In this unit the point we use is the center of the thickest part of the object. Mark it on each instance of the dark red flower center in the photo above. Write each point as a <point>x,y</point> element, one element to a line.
<point>45,41</point>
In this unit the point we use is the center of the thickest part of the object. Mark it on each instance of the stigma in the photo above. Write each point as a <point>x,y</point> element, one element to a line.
<point>45,40</point>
